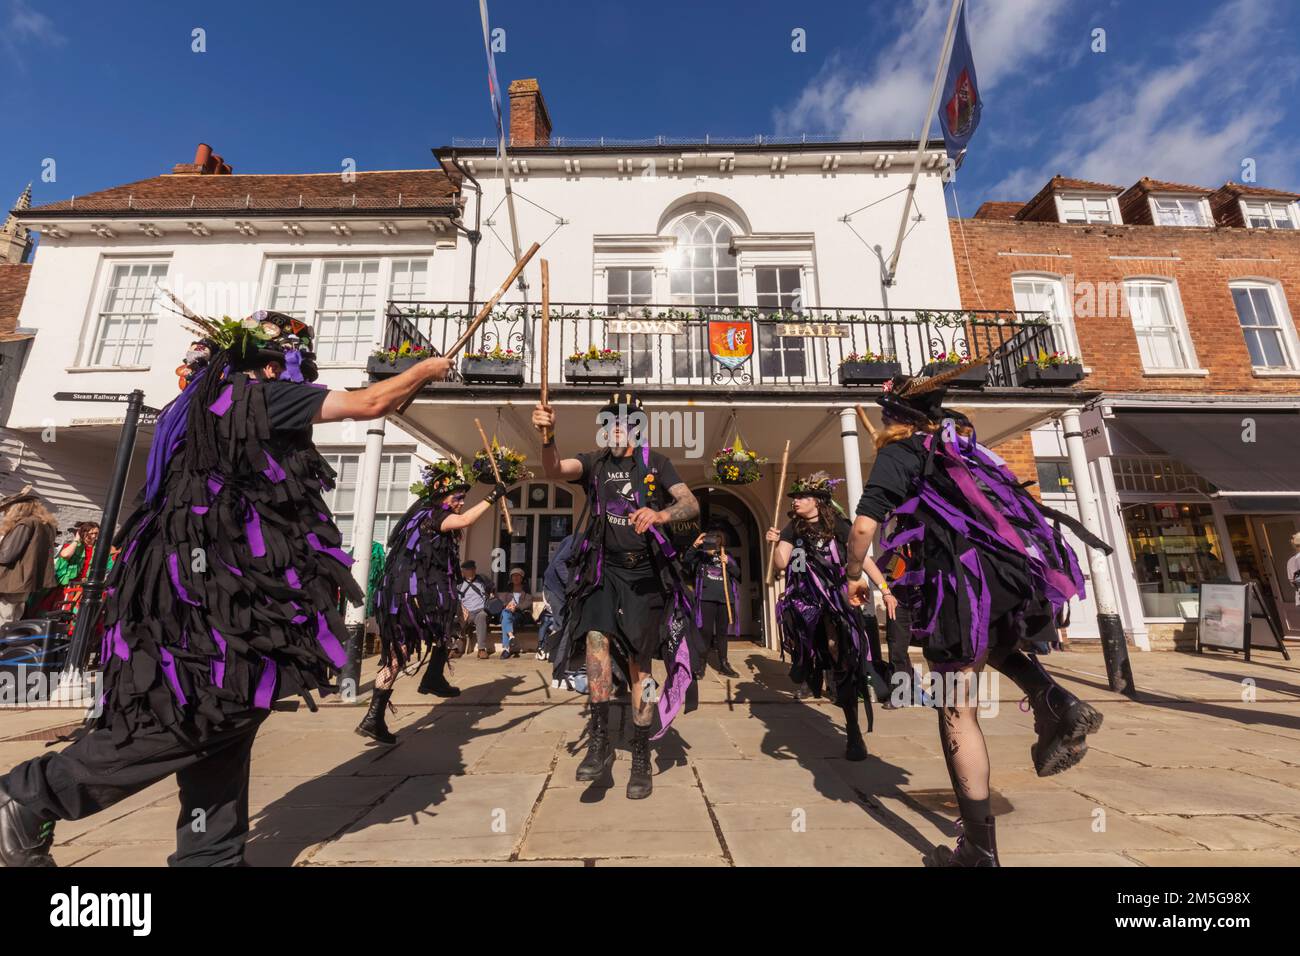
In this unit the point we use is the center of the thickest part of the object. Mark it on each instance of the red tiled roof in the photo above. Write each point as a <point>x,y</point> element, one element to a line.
<point>1149,185</point>
<point>425,190</point>
<point>13,288</point>
<point>1245,189</point>
<point>998,210</point>
<point>1059,183</point>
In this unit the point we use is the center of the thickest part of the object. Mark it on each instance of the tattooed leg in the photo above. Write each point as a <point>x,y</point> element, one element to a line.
<point>600,672</point>
<point>643,710</point>
<point>964,749</point>
<point>386,677</point>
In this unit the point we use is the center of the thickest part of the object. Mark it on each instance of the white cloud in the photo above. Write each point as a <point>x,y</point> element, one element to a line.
<point>1193,119</point>
<point>887,99</point>
<point>25,27</point>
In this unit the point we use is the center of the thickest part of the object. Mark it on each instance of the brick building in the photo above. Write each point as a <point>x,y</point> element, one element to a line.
<point>1179,302</point>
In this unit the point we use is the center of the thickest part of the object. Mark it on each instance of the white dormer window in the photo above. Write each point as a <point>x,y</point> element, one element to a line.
<point>1268,214</point>
<point>1086,209</point>
<point>1168,211</point>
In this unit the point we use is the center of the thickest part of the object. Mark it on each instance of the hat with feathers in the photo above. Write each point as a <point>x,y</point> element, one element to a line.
<point>918,399</point>
<point>260,338</point>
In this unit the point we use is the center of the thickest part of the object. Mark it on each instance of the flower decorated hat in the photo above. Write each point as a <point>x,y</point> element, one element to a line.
<point>442,478</point>
<point>817,485</point>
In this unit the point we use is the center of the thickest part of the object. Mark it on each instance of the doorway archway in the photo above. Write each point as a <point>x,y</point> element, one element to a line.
<point>726,513</point>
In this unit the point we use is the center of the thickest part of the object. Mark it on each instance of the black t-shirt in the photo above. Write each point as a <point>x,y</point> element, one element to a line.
<point>820,545</point>
<point>890,483</point>
<point>290,408</point>
<point>614,485</point>
<point>710,567</point>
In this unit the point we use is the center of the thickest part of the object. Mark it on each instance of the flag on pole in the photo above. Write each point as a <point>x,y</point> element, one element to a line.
<point>960,104</point>
<point>494,88</point>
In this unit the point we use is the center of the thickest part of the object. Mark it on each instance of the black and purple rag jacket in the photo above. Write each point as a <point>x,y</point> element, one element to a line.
<point>417,606</point>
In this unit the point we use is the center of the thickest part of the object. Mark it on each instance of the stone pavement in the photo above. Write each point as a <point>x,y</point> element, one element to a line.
<point>1204,770</point>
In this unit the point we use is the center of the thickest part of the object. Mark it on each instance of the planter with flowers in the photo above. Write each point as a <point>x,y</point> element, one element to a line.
<point>737,465</point>
<point>383,363</point>
<point>1048,370</point>
<point>498,367</point>
<point>867,368</point>
<point>595,367</point>
<point>946,361</point>
<point>509,462</point>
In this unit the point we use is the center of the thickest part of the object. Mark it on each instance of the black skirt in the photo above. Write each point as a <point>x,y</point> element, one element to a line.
<point>628,608</point>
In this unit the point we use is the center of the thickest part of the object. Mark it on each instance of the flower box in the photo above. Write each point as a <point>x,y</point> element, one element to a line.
<point>509,371</point>
<point>383,367</point>
<point>971,378</point>
<point>594,371</point>
<point>868,373</point>
<point>1047,376</point>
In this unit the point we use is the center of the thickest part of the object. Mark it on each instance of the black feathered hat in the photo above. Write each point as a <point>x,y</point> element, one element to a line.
<point>918,399</point>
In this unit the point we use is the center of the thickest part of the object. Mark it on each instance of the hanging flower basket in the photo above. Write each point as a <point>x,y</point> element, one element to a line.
<point>737,465</point>
<point>384,363</point>
<point>971,378</point>
<point>1047,371</point>
<point>595,367</point>
<point>867,369</point>
<point>498,367</point>
<point>509,462</point>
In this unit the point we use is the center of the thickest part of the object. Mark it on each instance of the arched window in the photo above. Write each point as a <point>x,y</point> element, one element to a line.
<point>702,270</point>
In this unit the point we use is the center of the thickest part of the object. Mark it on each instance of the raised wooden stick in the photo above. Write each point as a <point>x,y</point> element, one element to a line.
<point>483,313</point>
<point>726,588</point>
<point>545,364</point>
<point>866,422</point>
<point>776,510</point>
<point>496,472</point>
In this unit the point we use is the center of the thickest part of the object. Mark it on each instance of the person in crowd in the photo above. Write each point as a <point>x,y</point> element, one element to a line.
<point>1293,567</point>
<point>224,599</point>
<point>716,597</point>
<point>474,592</point>
<point>518,606</point>
<point>72,563</point>
<point>27,533</point>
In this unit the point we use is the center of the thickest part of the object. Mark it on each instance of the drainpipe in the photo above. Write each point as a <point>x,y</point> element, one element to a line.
<point>1119,672</point>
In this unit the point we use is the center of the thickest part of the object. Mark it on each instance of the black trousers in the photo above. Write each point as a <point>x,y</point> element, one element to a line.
<point>212,770</point>
<point>713,627</point>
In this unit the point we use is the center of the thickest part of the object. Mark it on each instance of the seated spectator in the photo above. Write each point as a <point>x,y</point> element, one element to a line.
<point>474,592</point>
<point>518,607</point>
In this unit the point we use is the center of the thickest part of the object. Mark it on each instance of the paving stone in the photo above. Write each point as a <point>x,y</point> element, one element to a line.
<point>1186,791</point>
<point>1239,858</point>
<point>1229,832</point>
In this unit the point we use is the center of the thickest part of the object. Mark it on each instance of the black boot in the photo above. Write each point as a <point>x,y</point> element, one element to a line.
<point>856,748</point>
<point>977,846</point>
<point>1061,720</point>
<point>599,761</point>
<point>641,781</point>
<point>372,725</point>
<point>25,840</point>
<point>434,680</point>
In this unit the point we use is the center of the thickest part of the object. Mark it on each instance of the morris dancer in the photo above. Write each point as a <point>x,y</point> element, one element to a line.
<point>627,600</point>
<point>984,570</point>
<point>224,600</point>
<point>833,645</point>
<point>416,607</point>
<point>717,598</point>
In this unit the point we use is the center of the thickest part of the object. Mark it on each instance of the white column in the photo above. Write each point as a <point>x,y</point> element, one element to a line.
<point>1118,670</point>
<point>852,457</point>
<point>363,531</point>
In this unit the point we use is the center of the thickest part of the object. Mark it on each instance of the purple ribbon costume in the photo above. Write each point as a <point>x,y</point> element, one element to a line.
<point>416,605</point>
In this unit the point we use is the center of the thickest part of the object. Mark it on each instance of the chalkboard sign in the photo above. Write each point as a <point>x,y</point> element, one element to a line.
<point>1235,617</point>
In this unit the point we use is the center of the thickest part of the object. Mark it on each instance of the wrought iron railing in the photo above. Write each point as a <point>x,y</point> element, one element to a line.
<point>669,345</point>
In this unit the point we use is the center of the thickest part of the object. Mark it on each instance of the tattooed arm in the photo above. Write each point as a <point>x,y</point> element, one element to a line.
<point>684,508</point>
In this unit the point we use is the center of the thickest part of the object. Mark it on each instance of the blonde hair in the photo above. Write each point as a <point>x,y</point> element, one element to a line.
<point>900,431</point>
<point>27,509</point>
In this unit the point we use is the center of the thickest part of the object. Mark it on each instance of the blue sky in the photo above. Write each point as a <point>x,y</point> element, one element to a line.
<point>113,92</point>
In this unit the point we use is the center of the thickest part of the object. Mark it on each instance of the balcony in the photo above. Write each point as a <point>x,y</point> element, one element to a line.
<point>667,347</point>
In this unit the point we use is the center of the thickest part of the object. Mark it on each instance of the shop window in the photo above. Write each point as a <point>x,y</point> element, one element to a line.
<point>1055,477</point>
<point>1175,548</point>
<point>1156,476</point>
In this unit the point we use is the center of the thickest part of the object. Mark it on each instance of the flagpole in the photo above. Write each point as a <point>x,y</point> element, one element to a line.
<point>892,269</point>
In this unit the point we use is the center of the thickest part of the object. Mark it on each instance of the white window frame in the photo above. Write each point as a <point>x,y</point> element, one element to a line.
<point>1065,321</point>
<point>1286,325</point>
<point>99,313</point>
<point>1178,322</point>
<point>397,491</point>
<point>1182,200</point>
<point>1111,203</point>
<point>314,287</point>
<point>1271,207</point>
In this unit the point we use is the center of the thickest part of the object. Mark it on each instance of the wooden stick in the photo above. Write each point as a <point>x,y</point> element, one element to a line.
<point>546,343</point>
<point>776,510</point>
<point>866,422</point>
<point>492,460</point>
<point>726,588</point>
<point>483,314</point>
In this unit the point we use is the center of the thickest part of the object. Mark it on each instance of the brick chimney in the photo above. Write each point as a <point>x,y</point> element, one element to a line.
<point>206,163</point>
<point>530,123</point>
